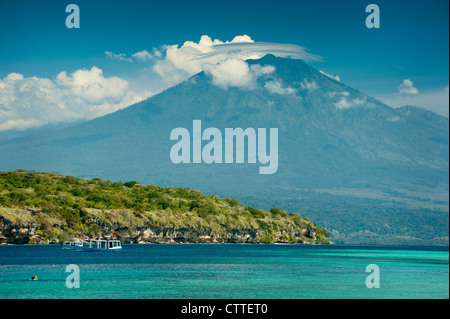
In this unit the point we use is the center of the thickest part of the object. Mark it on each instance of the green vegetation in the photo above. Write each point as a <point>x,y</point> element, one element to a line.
<point>54,208</point>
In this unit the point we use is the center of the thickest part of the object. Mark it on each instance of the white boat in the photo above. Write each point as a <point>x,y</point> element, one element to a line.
<point>93,245</point>
<point>71,244</point>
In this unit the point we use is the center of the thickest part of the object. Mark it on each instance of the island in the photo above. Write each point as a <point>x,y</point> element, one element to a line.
<point>50,208</point>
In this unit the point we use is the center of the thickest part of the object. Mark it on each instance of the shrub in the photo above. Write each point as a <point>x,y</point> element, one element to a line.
<point>279,212</point>
<point>266,239</point>
<point>257,213</point>
<point>232,201</point>
<point>130,184</point>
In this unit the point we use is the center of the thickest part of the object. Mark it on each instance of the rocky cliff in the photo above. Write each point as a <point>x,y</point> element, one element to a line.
<point>31,233</point>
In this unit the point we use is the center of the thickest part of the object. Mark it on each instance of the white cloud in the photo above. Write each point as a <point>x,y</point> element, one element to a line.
<point>120,56</point>
<point>143,55</point>
<point>308,85</point>
<point>407,87</point>
<point>20,123</point>
<point>27,102</point>
<point>177,63</point>
<point>92,86</point>
<point>345,102</point>
<point>231,72</point>
<point>236,73</point>
<point>14,76</point>
<point>277,87</point>
<point>157,53</point>
<point>334,77</point>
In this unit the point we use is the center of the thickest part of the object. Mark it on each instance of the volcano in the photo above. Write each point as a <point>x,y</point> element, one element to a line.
<point>365,171</point>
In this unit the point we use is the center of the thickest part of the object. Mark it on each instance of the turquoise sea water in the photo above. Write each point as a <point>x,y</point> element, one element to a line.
<point>225,271</point>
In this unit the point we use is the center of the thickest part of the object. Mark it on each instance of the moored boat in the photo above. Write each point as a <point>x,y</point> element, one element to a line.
<point>93,245</point>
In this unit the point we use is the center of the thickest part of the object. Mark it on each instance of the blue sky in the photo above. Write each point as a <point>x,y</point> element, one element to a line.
<point>412,43</point>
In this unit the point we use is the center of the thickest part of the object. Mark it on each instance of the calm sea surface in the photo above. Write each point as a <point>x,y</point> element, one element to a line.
<point>225,271</point>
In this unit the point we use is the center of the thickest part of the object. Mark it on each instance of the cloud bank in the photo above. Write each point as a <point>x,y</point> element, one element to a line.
<point>178,63</point>
<point>27,102</point>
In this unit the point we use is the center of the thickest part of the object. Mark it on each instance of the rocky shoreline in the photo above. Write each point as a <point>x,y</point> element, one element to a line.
<point>29,233</point>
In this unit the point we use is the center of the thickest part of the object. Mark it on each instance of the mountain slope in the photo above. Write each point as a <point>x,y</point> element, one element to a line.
<point>334,143</point>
